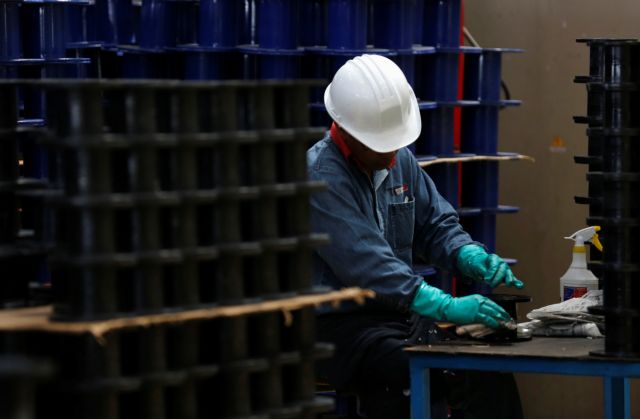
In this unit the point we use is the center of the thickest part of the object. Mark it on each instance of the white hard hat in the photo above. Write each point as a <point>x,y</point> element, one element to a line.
<point>371,99</point>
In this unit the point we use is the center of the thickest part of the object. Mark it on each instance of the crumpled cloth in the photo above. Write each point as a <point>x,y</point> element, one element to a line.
<point>479,330</point>
<point>568,318</point>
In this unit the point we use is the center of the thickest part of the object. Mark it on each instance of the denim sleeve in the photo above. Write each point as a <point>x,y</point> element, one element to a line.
<point>358,254</point>
<point>438,234</point>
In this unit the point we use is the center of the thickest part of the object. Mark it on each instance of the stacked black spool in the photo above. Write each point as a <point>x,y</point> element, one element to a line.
<point>245,366</point>
<point>21,209</point>
<point>178,195</point>
<point>614,175</point>
<point>174,196</point>
<point>19,380</point>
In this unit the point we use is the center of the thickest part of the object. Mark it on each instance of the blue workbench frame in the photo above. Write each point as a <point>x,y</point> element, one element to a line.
<point>615,373</point>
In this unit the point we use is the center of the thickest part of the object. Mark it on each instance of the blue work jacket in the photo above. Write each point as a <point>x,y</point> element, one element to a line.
<point>379,226</point>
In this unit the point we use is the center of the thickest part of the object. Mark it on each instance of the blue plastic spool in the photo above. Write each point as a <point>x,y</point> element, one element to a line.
<point>116,21</point>
<point>407,63</point>
<point>418,22</point>
<point>480,185</point>
<point>186,13</point>
<point>483,75</point>
<point>77,28</point>
<point>82,27</point>
<point>272,65</point>
<point>277,24</point>
<point>313,27</point>
<point>393,23</point>
<point>278,67</point>
<point>202,64</point>
<point>166,24</point>
<point>35,158</point>
<point>31,101</point>
<point>482,228</point>
<point>445,176</point>
<point>393,29</point>
<point>326,62</point>
<point>248,22</point>
<point>43,29</point>
<point>438,74</point>
<point>140,64</point>
<point>10,38</point>
<point>436,137</point>
<point>482,84</point>
<point>157,28</point>
<point>351,23</point>
<point>479,130</point>
<point>220,23</point>
<point>277,55</point>
<point>438,77</point>
<point>442,280</point>
<point>221,29</point>
<point>441,23</point>
<point>347,24</point>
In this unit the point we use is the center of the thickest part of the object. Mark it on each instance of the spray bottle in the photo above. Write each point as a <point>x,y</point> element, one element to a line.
<point>578,279</point>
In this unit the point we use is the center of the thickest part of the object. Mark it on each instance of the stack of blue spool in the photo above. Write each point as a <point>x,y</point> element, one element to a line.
<point>247,39</point>
<point>480,136</point>
<point>290,39</point>
<point>34,44</point>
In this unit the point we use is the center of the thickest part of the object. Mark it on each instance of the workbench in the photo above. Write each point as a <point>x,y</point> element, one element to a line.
<point>543,355</point>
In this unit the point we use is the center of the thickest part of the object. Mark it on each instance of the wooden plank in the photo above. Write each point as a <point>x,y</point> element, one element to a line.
<point>450,160</point>
<point>38,318</point>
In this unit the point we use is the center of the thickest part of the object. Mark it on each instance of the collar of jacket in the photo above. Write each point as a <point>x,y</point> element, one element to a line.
<point>338,139</point>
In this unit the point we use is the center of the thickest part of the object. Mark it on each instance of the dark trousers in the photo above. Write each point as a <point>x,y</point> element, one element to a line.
<point>369,361</point>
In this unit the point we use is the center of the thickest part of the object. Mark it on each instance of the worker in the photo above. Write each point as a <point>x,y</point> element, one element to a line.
<point>381,211</point>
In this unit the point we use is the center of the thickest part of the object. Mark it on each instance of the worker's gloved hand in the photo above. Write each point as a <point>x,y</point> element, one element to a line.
<point>479,265</point>
<point>432,302</point>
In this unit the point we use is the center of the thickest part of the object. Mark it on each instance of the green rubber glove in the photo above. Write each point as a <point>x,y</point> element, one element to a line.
<point>435,303</point>
<point>477,264</point>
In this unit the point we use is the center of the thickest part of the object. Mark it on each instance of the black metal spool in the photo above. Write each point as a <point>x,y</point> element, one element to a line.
<point>174,166</point>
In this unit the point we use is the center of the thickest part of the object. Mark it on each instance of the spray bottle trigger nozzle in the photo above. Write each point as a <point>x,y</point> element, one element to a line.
<point>589,234</point>
<point>596,242</point>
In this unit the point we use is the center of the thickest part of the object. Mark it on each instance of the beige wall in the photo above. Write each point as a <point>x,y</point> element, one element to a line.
<point>543,78</point>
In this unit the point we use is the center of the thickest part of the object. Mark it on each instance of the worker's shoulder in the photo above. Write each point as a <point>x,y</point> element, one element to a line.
<point>324,156</point>
<point>405,154</point>
<point>406,161</point>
